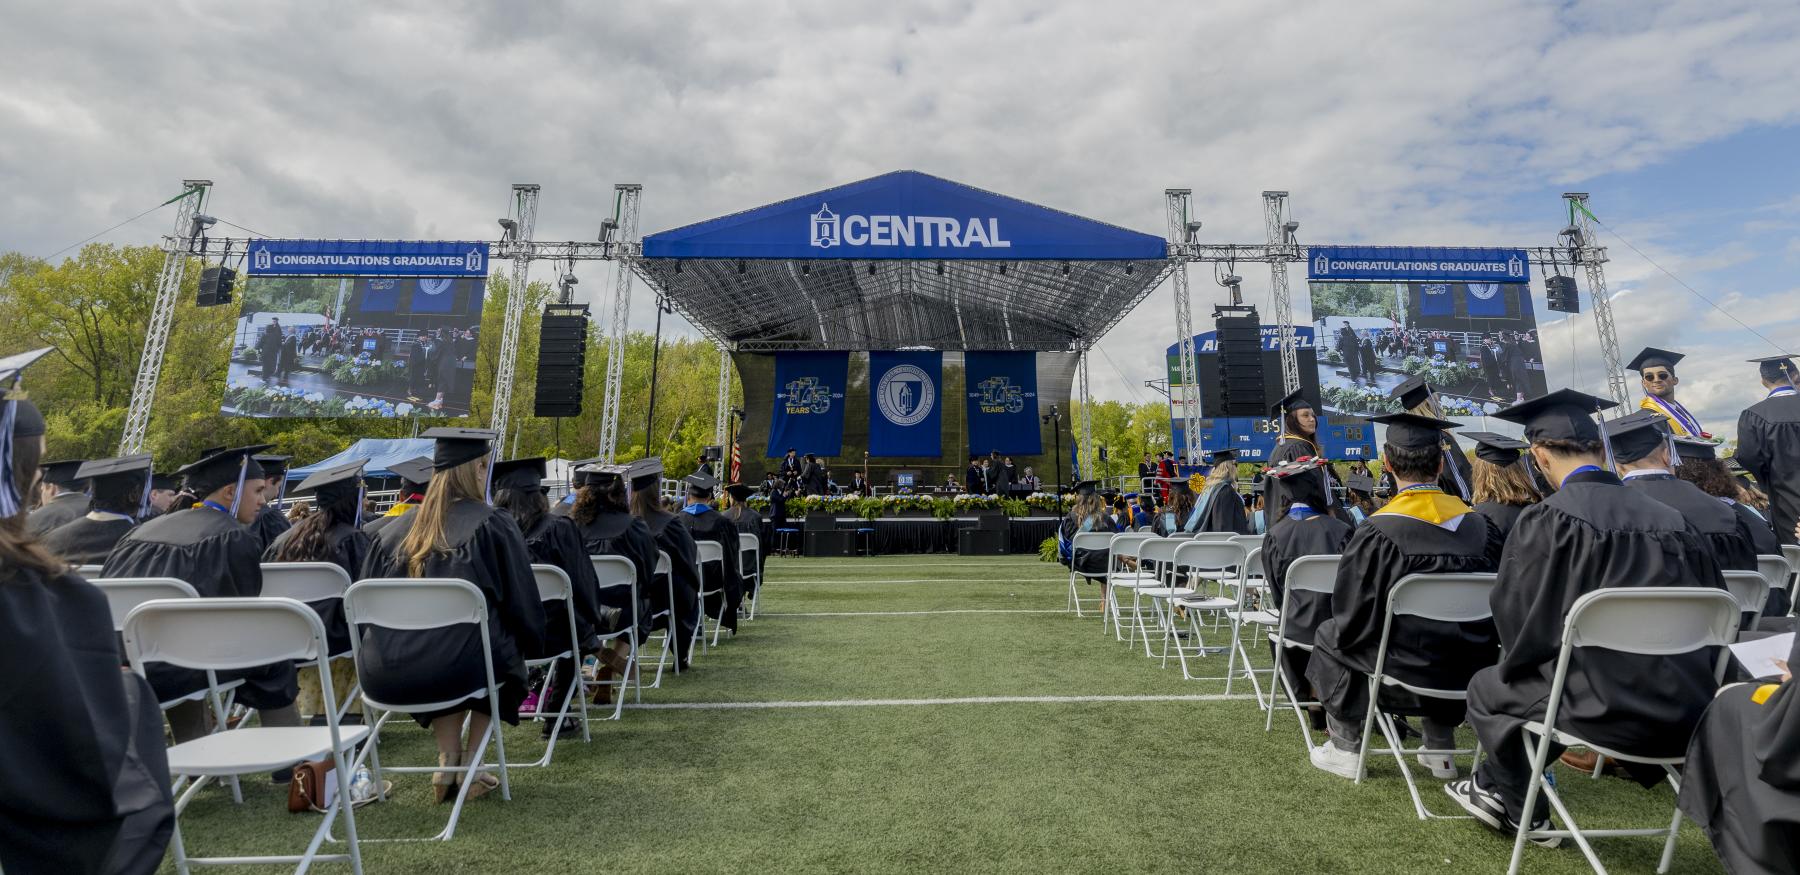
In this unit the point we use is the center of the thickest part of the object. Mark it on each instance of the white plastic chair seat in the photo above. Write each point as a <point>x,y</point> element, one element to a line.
<point>1165,592</point>
<point>1536,727</point>
<point>1208,603</point>
<point>257,749</point>
<point>1139,583</point>
<point>1261,618</point>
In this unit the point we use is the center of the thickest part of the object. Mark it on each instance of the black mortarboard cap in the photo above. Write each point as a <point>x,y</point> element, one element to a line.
<point>1087,487</point>
<point>1220,457</point>
<point>1497,449</point>
<point>1412,392</point>
<point>1696,448</point>
<point>1779,357</point>
<point>1295,400</point>
<point>1180,486</point>
<point>134,467</point>
<point>211,450</point>
<point>702,482</point>
<point>579,473</point>
<point>1638,435</point>
<point>224,463</point>
<point>598,472</point>
<point>61,473</point>
<point>1652,356</point>
<point>1413,432</point>
<point>165,481</point>
<point>458,446</point>
<point>19,418</point>
<point>334,481</point>
<point>416,470</point>
<point>1362,483</point>
<point>273,466</point>
<point>1774,367</point>
<point>520,473</point>
<point>1565,415</point>
<point>738,491</point>
<point>645,473</point>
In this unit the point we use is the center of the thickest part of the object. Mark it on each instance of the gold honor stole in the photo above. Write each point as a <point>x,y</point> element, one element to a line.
<point>1679,418</point>
<point>400,509</point>
<point>1427,505</point>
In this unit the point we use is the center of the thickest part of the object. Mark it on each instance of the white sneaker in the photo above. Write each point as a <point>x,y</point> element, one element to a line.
<point>1331,758</point>
<point>1441,765</point>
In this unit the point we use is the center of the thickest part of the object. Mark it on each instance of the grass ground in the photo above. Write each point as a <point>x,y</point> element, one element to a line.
<point>1087,786</point>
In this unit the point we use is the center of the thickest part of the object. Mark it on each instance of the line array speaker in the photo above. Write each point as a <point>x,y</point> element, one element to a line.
<point>1240,379</point>
<point>562,360</point>
<point>216,284</point>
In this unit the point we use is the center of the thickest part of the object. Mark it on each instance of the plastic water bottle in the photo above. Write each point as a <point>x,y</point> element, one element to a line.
<point>590,667</point>
<point>362,786</point>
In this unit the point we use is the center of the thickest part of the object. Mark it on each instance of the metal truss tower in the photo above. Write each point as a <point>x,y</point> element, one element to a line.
<point>1281,234</point>
<point>177,248</point>
<point>625,201</point>
<point>1181,235</point>
<point>1589,254</point>
<point>519,225</point>
<point>724,405</point>
<point>1087,419</point>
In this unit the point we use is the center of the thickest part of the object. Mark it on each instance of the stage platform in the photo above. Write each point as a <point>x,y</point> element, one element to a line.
<point>927,535</point>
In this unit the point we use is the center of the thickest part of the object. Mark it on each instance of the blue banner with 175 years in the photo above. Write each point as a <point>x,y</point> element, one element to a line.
<point>1003,403</point>
<point>809,403</point>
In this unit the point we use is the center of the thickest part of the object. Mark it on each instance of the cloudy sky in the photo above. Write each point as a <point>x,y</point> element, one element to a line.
<point>1402,123</point>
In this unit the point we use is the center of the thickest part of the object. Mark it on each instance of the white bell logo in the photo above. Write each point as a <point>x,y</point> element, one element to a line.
<point>824,227</point>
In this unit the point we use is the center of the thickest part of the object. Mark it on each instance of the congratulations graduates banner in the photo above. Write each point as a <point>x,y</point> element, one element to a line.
<point>809,403</point>
<point>1002,403</point>
<point>904,396</point>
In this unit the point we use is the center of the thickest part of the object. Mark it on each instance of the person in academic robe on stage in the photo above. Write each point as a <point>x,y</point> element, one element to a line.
<point>1493,368</point>
<point>211,547</point>
<point>328,534</point>
<point>607,528</point>
<point>706,524</point>
<point>1299,439</point>
<point>1220,507</point>
<point>1502,488</point>
<point>1371,363</point>
<point>86,783</point>
<point>1000,475</point>
<point>1351,352</point>
<point>1146,475</point>
<point>1420,399</point>
<point>455,534</point>
<point>271,521</point>
<point>414,475</point>
<point>1741,782</point>
<point>972,478</point>
<point>518,487</point>
<point>1769,443</point>
<point>1640,445</point>
<point>1087,514</point>
<point>1656,369</point>
<point>1590,532</point>
<point>119,487</point>
<point>673,538</point>
<point>817,481</point>
<point>748,522</point>
<point>1165,476</point>
<point>1422,531</point>
<point>1303,531</point>
<point>790,466</point>
<point>1701,466</point>
<point>268,351</point>
<point>62,497</point>
<point>1031,484</point>
<point>859,485</point>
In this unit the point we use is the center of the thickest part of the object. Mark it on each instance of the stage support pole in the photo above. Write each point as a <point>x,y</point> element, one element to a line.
<point>176,249</point>
<point>1592,256</point>
<point>1087,420</point>
<point>1181,238</point>
<point>1281,234</point>
<point>724,404</point>
<point>625,216</point>
<point>655,371</point>
<point>517,243</point>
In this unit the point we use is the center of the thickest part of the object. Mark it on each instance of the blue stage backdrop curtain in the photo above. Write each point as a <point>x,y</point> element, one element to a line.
<point>1435,300</point>
<point>905,402</point>
<point>809,403</point>
<point>1488,300</point>
<point>1002,403</point>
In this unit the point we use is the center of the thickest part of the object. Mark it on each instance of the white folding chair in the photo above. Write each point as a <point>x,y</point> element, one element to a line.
<point>1648,621</point>
<point>1123,546</point>
<point>709,553</point>
<point>1442,598</point>
<point>1213,536</point>
<point>311,583</point>
<point>750,557</point>
<point>1249,581</point>
<point>239,633</point>
<point>621,572</point>
<point>1217,560</point>
<point>1791,552</point>
<point>89,571</point>
<point>417,604</point>
<point>665,569</point>
<point>1751,590</point>
<point>553,584</point>
<point>1313,574</point>
<point>1088,542</point>
<point>1777,570</point>
<point>1160,591</point>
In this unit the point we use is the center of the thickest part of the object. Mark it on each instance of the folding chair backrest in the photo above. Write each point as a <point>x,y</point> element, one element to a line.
<point>1179,536</point>
<point>1215,537</point>
<point>748,543</point>
<point>1775,569</point>
<point>1791,552</point>
<point>552,582</point>
<point>709,551</point>
<point>614,570</point>
<point>1750,589</point>
<point>1447,598</point>
<point>1253,564</point>
<point>663,564</point>
<point>125,593</point>
<point>222,634</point>
<point>1159,549</point>
<point>1209,554</point>
<point>304,581</point>
<point>1653,621</point>
<point>88,571</point>
<point>1127,544</point>
<point>1312,574</point>
<point>414,603</point>
<point>1250,542</point>
<point>1091,541</point>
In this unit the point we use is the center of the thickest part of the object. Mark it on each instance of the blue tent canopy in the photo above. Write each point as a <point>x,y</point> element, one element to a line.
<point>379,453</point>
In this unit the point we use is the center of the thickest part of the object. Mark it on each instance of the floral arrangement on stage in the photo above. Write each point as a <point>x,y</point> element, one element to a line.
<point>250,399</point>
<point>899,505</point>
<point>1359,399</point>
<point>1044,501</point>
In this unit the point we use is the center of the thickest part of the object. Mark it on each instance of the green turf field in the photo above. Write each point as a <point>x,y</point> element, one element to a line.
<point>833,774</point>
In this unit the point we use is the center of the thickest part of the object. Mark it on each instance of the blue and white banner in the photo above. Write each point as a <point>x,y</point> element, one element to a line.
<point>905,403</point>
<point>1002,403</point>
<point>1447,264</point>
<point>809,403</point>
<point>905,215</point>
<point>449,258</point>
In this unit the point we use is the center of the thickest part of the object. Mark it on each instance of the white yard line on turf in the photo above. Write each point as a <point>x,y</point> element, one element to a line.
<point>921,613</point>
<point>971,700</point>
<point>852,564</point>
<point>788,580</point>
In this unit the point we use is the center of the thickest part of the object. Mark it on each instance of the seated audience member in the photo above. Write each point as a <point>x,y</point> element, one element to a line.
<point>603,514</point>
<point>1142,512</point>
<point>62,497</point>
<point>1423,530</point>
<point>644,478</point>
<point>1220,507</point>
<point>456,534</point>
<point>1741,782</point>
<point>1359,497</point>
<point>1178,514</point>
<point>1590,533</point>
<point>270,522</point>
<point>1304,531</point>
<point>1258,515</point>
<point>748,522</point>
<point>414,476</point>
<point>706,524</point>
<point>1088,514</point>
<point>1640,445</point>
<point>1500,480</point>
<point>1701,466</point>
<point>328,534</point>
<point>119,488</point>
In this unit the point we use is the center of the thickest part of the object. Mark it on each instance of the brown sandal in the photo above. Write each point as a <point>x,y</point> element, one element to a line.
<point>443,783</point>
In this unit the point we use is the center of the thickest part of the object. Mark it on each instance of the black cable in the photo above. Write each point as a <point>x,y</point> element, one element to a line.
<point>107,231</point>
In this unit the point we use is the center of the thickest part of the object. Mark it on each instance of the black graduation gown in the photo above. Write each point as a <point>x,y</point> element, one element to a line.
<point>57,512</point>
<point>1742,778</point>
<point>435,665</point>
<point>707,524</point>
<point>1501,516</point>
<point>1085,561</point>
<point>269,525</point>
<point>1287,449</point>
<point>1769,448</point>
<point>220,558</point>
<point>556,540</point>
<point>1384,549</point>
<point>1169,522</point>
<point>750,522</point>
<point>616,533</point>
<point>84,541</point>
<point>1225,512</point>
<point>674,539</point>
<point>1289,539</point>
<point>86,782</point>
<point>1716,523</point>
<point>1592,534</point>
<point>349,548</point>
<point>373,527</point>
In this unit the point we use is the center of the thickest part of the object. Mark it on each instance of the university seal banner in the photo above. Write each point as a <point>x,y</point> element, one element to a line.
<point>1002,403</point>
<point>809,403</point>
<point>905,400</point>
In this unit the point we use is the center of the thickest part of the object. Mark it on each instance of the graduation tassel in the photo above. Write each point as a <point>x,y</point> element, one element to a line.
<point>10,499</point>
<point>1612,465</point>
<point>238,494</point>
<point>1462,487</point>
<point>362,494</point>
<point>144,500</point>
<point>487,488</point>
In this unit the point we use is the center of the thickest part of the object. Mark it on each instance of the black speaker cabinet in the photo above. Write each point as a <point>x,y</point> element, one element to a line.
<point>562,360</point>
